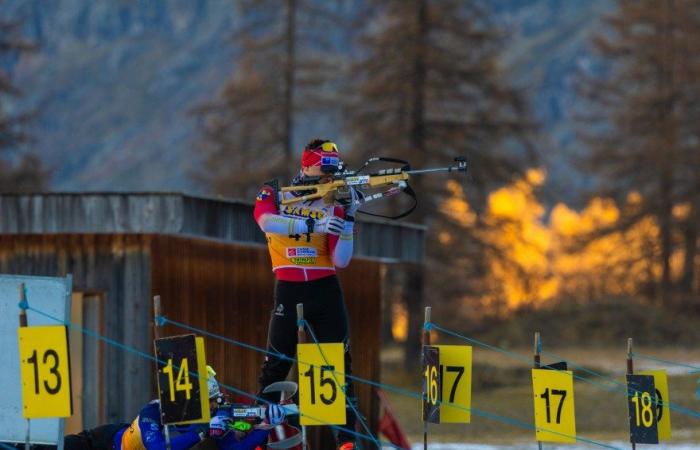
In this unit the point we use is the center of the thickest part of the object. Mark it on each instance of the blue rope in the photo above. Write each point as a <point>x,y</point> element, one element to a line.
<point>671,363</point>
<point>348,401</point>
<point>528,360</point>
<point>624,390</point>
<point>387,387</point>
<point>130,349</point>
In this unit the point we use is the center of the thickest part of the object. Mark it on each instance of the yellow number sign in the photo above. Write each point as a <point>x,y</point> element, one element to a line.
<point>456,376</point>
<point>321,381</point>
<point>663,412</point>
<point>182,380</point>
<point>553,394</point>
<point>45,371</point>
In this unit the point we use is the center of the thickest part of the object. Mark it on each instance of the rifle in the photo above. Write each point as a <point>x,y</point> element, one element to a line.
<point>396,179</point>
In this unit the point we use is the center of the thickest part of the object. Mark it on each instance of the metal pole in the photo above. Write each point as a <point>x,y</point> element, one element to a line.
<point>156,334</point>
<point>426,341</point>
<point>537,363</point>
<point>23,323</point>
<point>301,339</point>
<point>630,371</point>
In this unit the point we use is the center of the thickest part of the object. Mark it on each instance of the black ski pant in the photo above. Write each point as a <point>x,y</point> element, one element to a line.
<point>100,438</point>
<point>324,310</point>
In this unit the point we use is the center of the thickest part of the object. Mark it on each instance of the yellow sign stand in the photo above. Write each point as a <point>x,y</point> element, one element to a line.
<point>321,381</point>
<point>553,395</point>
<point>663,416</point>
<point>45,371</point>
<point>456,375</point>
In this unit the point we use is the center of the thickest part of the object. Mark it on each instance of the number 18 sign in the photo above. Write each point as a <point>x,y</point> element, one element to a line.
<point>553,392</point>
<point>43,355</point>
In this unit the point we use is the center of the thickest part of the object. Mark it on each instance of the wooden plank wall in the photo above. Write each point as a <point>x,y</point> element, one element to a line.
<point>116,265</point>
<point>228,290</point>
<point>223,288</point>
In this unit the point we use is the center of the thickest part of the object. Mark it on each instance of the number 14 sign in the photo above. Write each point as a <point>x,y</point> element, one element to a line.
<point>553,392</point>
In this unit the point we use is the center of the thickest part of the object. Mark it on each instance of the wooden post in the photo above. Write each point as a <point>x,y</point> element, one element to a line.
<point>301,339</point>
<point>630,371</point>
<point>537,364</point>
<point>156,334</point>
<point>23,323</point>
<point>426,341</point>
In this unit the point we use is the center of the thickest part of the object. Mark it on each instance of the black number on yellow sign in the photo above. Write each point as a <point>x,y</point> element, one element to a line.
<point>182,383</point>
<point>546,394</point>
<point>324,380</point>
<point>53,390</point>
<point>459,370</point>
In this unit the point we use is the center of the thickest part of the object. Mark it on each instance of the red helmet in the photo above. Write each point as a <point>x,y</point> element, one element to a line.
<point>321,153</point>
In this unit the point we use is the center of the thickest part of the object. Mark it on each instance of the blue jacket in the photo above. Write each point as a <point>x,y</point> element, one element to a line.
<point>146,433</point>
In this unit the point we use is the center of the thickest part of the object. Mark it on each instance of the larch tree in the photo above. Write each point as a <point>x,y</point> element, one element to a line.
<point>20,171</point>
<point>284,74</point>
<point>427,88</point>
<point>639,125</point>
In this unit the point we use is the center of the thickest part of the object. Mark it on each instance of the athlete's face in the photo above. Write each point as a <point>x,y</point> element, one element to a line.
<point>315,171</point>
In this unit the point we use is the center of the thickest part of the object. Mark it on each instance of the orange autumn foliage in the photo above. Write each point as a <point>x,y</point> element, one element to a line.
<point>532,260</point>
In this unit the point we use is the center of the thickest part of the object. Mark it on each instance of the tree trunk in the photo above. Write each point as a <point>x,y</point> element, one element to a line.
<point>691,246</point>
<point>389,287</point>
<point>290,69</point>
<point>413,296</point>
<point>665,221</point>
<point>414,286</point>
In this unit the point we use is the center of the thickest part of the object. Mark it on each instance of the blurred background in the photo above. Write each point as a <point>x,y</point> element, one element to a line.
<point>580,120</point>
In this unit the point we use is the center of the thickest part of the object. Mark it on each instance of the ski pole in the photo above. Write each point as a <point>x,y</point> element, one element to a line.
<point>537,360</point>
<point>301,339</point>
<point>426,341</point>
<point>630,371</point>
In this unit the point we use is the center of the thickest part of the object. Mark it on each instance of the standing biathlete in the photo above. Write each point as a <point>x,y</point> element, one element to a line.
<point>307,241</point>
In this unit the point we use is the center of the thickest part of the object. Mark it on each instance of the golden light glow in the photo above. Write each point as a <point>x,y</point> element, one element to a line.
<point>568,257</point>
<point>399,323</point>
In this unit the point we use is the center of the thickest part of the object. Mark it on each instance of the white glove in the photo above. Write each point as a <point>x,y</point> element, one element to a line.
<point>354,204</point>
<point>275,414</point>
<point>218,426</point>
<point>334,225</point>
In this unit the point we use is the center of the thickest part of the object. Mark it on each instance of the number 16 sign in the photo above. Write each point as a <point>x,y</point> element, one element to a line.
<point>553,392</point>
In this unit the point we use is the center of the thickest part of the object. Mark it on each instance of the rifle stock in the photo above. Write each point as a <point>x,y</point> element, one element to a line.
<point>321,190</point>
<point>397,177</point>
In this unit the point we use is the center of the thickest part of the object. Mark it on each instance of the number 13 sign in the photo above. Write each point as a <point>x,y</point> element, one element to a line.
<point>43,354</point>
<point>553,393</point>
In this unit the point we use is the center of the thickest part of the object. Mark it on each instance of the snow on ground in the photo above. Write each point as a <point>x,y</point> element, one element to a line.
<point>533,446</point>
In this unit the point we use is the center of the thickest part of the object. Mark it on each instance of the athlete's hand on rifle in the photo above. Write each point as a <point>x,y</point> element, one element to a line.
<point>334,225</point>
<point>354,205</point>
<point>219,425</point>
<point>275,414</point>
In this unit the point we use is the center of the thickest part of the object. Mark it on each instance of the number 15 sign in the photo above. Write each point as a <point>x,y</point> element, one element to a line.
<point>553,392</point>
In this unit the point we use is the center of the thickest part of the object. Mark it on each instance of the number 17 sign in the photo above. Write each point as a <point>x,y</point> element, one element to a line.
<point>553,393</point>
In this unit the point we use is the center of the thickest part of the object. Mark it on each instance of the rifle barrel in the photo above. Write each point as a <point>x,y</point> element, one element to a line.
<point>437,169</point>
